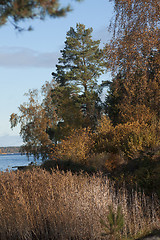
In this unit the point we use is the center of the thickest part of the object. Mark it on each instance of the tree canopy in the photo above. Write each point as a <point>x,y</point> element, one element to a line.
<point>77,73</point>
<point>70,101</point>
<point>134,59</point>
<point>18,10</point>
<point>136,33</point>
<point>35,117</point>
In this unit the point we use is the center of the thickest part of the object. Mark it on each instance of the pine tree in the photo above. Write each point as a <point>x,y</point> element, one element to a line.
<point>70,101</point>
<point>77,73</point>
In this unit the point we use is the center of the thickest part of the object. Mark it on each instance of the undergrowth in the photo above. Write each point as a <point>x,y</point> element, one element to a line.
<point>61,205</point>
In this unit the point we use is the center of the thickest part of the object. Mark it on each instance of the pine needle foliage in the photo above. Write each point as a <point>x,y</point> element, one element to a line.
<point>15,11</point>
<point>77,73</point>
<point>115,222</point>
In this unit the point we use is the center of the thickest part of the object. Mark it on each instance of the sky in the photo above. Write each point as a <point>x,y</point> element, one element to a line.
<point>27,59</point>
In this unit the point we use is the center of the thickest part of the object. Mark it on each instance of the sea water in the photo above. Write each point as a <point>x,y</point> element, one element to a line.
<point>10,161</point>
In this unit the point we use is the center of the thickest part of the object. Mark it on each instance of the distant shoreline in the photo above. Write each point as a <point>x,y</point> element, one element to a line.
<point>9,150</point>
<point>16,153</point>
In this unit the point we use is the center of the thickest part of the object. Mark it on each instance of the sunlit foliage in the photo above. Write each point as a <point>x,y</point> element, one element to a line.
<point>71,101</point>
<point>129,138</point>
<point>133,55</point>
<point>77,147</point>
<point>35,117</point>
<point>136,35</point>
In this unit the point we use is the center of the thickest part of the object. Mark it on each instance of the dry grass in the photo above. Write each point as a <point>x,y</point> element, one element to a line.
<point>39,205</point>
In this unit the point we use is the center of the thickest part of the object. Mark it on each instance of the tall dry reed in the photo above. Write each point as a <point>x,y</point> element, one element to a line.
<point>64,206</point>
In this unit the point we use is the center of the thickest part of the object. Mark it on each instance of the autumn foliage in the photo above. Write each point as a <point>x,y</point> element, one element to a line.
<point>109,146</point>
<point>70,121</point>
<point>77,147</point>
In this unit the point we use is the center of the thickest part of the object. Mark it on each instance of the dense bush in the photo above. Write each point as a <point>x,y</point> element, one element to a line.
<point>129,138</point>
<point>142,172</point>
<point>109,146</point>
<point>77,147</point>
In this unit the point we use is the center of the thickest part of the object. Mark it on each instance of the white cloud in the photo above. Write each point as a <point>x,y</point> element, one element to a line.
<point>24,57</point>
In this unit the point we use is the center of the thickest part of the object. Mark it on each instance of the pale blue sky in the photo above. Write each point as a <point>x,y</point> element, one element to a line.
<point>28,58</point>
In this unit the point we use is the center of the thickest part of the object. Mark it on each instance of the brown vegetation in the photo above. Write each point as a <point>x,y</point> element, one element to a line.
<point>39,205</point>
<point>77,147</point>
<point>108,146</point>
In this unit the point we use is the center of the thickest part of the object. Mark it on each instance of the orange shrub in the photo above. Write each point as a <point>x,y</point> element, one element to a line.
<point>103,134</point>
<point>109,146</point>
<point>129,138</point>
<point>77,147</point>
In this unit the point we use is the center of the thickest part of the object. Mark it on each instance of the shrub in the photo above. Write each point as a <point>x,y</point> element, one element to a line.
<point>103,135</point>
<point>115,223</point>
<point>77,147</point>
<point>105,161</point>
<point>108,146</point>
<point>132,138</point>
<point>129,138</point>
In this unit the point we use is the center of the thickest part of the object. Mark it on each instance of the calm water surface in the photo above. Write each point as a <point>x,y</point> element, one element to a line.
<point>11,160</point>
